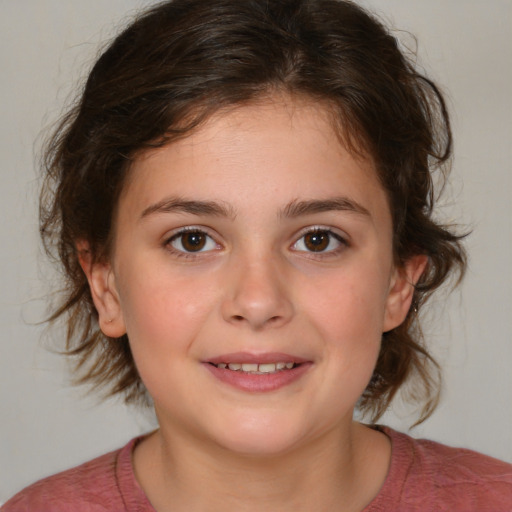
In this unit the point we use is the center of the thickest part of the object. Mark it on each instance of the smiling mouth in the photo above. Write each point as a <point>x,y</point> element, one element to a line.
<point>255,368</point>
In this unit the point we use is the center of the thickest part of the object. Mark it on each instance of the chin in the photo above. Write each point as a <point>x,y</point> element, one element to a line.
<point>259,445</point>
<point>260,437</point>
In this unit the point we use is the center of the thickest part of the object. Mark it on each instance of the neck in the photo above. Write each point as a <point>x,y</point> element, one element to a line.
<point>340,470</point>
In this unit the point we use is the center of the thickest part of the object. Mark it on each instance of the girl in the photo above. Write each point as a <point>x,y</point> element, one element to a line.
<point>242,202</point>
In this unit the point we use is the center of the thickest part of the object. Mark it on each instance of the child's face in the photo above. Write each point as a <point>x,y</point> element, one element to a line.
<point>257,239</point>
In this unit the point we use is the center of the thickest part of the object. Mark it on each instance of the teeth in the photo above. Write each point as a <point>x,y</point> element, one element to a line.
<point>249,367</point>
<point>257,368</point>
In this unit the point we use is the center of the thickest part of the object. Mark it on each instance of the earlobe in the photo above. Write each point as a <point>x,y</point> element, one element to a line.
<point>103,291</point>
<point>402,291</point>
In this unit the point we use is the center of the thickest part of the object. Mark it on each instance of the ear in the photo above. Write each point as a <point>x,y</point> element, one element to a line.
<point>401,291</point>
<point>104,292</point>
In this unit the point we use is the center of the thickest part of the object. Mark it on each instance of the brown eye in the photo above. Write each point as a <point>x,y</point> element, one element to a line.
<point>192,241</point>
<point>317,241</point>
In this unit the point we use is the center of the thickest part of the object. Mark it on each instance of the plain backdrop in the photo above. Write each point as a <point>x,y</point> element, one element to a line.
<point>47,46</point>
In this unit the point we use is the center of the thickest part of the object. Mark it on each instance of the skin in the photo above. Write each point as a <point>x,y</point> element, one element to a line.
<point>256,287</point>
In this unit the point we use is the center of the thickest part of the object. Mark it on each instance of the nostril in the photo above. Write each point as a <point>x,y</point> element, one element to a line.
<point>241,318</point>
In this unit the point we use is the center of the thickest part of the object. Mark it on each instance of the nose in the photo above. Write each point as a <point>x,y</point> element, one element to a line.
<point>257,295</point>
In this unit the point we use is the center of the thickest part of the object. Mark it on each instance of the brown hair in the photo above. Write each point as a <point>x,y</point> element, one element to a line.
<point>182,60</point>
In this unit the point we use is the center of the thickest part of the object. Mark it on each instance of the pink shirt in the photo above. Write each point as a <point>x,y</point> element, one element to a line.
<point>423,476</point>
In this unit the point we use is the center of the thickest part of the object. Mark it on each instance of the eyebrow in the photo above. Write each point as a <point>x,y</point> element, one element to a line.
<point>294,209</point>
<point>177,204</point>
<point>298,208</point>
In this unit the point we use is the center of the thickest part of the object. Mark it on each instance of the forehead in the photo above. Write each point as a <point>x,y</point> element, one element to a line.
<point>273,151</point>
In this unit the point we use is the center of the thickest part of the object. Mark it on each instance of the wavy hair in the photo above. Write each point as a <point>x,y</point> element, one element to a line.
<point>181,61</point>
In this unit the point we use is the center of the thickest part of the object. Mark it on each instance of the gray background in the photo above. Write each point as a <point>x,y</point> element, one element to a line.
<point>47,45</point>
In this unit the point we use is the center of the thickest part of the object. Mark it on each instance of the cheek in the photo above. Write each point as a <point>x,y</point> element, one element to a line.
<point>349,317</point>
<point>348,305</point>
<point>163,320</point>
<point>164,312</point>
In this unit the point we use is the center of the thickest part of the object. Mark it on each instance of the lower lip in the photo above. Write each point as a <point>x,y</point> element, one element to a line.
<point>259,383</point>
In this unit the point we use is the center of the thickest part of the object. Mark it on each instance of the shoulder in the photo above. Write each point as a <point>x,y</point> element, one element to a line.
<point>430,476</point>
<point>95,486</point>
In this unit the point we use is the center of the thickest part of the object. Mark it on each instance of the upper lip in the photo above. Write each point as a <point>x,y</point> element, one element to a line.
<point>264,357</point>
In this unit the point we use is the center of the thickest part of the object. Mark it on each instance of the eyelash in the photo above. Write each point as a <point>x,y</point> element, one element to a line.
<point>315,230</point>
<point>331,235</point>
<point>189,230</point>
